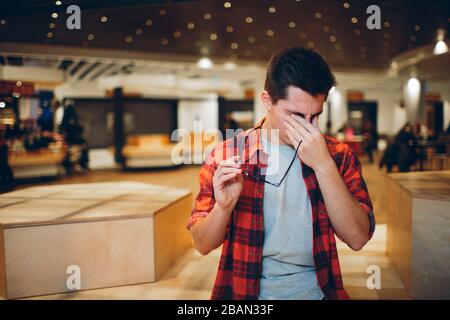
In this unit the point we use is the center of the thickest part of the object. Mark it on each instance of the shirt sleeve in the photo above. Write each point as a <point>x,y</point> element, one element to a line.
<point>205,201</point>
<point>352,175</point>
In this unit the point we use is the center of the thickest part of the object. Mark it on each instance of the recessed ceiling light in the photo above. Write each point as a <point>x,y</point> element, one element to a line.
<point>207,16</point>
<point>251,39</point>
<point>90,36</point>
<point>54,15</point>
<point>346,5</point>
<point>229,29</point>
<point>164,41</point>
<point>249,19</point>
<point>139,31</point>
<point>104,19</point>
<point>2,22</point>
<point>149,22</point>
<point>51,25</point>
<point>234,46</point>
<point>2,105</point>
<point>318,15</point>
<point>58,3</point>
<point>332,38</point>
<point>177,34</point>
<point>190,25</point>
<point>162,12</point>
<point>272,9</point>
<point>270,33</point>
<point>129,39</point>
<point>386,24</point>
<point>213,36</point>
<point>416,27</point>
<point>50,35</point>
<point>292,24</point>
<point>326,28</point>
<point>19,83</point>
<point>302,35</point>
<point>354,20</point>
<point>227,4</point>
<point>311,44</point>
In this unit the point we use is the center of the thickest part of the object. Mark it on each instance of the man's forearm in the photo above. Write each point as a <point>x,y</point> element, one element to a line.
<point>346,214</point>
<point>209,233</point>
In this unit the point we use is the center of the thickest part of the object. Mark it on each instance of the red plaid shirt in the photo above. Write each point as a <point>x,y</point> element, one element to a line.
<point>241,260</point>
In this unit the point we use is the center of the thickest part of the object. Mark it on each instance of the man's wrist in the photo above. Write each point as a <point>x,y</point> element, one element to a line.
<point>223,210</point>
<point>325,168</point>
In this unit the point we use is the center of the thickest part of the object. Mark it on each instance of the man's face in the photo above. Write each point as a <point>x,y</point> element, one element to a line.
<point>297,102</point>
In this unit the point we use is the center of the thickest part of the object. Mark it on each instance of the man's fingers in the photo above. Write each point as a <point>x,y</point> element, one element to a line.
<point>315,123</point>
<point>298,127</point>
<point>309,127</point>
<point>226,177</point>
<point>226,170</point>
<point>294,132</point>
<point>230,162</point>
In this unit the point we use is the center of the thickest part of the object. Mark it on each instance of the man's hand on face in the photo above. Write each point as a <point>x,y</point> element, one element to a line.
<point>313,150</point>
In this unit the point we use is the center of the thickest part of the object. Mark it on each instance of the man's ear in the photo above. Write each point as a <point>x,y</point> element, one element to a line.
<point>266,100</point>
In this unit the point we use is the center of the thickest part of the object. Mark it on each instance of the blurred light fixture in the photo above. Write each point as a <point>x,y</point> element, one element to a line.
<point>129,39</point>
<point>191,25</point>
<point>249,19</point>
<point>149,22</point>
<point>19,83</point>
<point>50,35</point>
<point>104,19</point>
<point>164,41</point>
<point>90,37</point>
<point>229,29</point>
<point>58,3</point>
<point>2,22</point>
<point>272,9</point>
<point>54,15</point>
<point>270,33</point>
<point>441,46</point>
<point>162,12</point>
<point>346,5</point>
<point>51,25</point>
<point>213,36</point>
<point>227,4</point>
<point>207,16</point>
<point>205,63</point>
<point>234,46</point>
<point>139,31</point>
<point>177,34</point>
<point>292,24</point>
<point>318,15</point>
<point>2,105</point>
<point>354,20</point>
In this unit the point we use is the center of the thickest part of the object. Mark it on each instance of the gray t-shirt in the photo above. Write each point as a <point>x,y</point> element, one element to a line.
<point>288,270</point>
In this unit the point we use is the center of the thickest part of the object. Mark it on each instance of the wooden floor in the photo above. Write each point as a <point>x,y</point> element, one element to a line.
<point>193,275</point>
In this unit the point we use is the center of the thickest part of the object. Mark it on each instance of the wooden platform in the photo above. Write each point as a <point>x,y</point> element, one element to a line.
<point>418,231</point>
<point>117,233</point>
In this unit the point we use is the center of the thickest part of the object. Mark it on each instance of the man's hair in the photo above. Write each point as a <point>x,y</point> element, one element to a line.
<point>298,67</point>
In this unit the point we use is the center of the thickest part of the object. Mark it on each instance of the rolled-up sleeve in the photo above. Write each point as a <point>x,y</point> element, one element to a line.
<point>205,201</point>
<point>353,178</point>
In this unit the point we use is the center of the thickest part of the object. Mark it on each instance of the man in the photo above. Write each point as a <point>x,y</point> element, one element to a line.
<point>276,219</point>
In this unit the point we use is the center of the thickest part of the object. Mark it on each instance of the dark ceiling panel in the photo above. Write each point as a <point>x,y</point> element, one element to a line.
<point>199,28</point>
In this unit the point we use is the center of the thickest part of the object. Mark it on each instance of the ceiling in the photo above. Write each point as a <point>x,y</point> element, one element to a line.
<point>250,30</point>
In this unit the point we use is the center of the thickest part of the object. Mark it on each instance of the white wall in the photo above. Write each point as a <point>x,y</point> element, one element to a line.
<point>204,110</point>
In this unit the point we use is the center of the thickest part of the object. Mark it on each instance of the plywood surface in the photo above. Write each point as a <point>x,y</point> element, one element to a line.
<point>425,184</point>
<point>85,202</point>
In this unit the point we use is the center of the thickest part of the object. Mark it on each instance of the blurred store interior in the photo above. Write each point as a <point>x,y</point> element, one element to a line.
<point>101,104</point>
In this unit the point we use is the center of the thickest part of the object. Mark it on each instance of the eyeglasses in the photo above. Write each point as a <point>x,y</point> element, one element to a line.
<point>258,177</point>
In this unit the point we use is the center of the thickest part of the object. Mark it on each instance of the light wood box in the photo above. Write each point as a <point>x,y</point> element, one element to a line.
<point>117,233</point>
